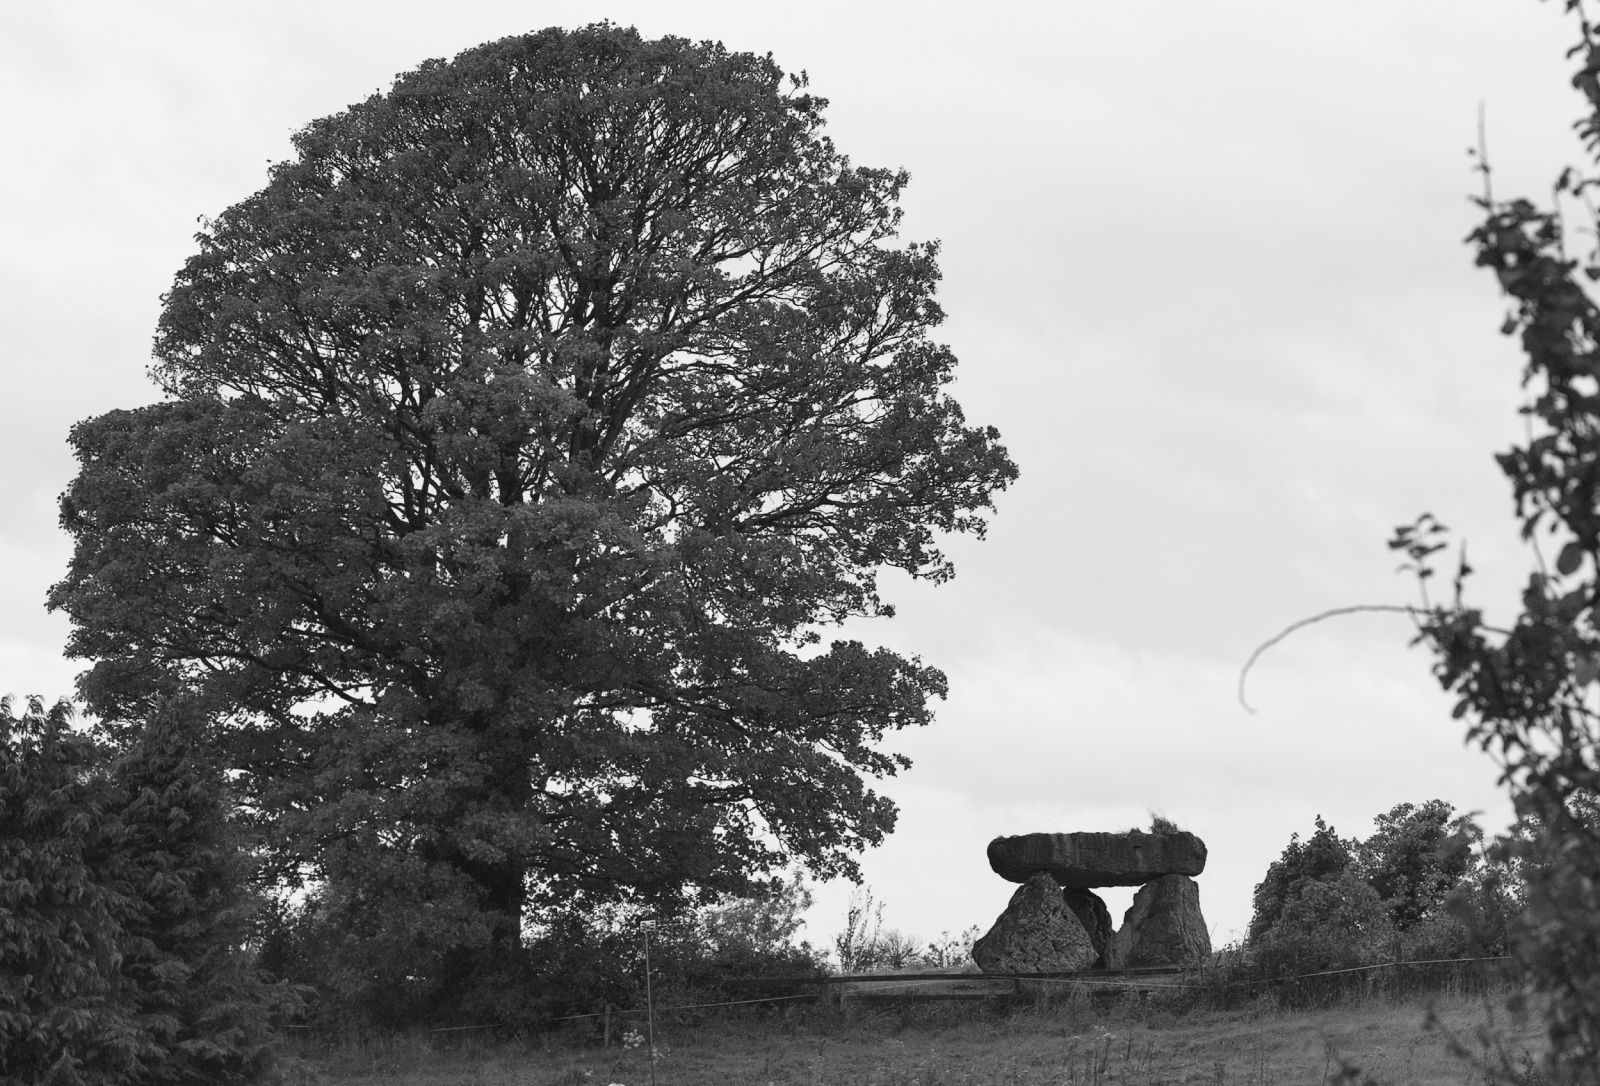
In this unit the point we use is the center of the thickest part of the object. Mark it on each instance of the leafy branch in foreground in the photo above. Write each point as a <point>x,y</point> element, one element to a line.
<point>1528,693</point>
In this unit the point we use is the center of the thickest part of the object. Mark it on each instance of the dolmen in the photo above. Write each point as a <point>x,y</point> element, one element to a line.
<point>1056,923</point>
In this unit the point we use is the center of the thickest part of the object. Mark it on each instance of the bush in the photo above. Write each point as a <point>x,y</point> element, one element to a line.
<point>576,961</point>
<point>1444,898</point>
<point>856,946</point>
<point>1438,936</point>
<point>125,911</point>
<point>953,951</point>
<point>1327,924</point>
<point>1416,856</point>
<point>62,1017</point>
<point>1323,856</point>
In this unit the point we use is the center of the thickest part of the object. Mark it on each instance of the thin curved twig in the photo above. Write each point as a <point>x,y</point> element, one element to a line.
<point>1483,155</point>
<point>1335,612</point>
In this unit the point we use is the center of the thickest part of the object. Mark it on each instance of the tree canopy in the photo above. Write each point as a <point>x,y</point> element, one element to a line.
<point>518,440</point>
<point>1416,857</point>
<point>1323,857</point>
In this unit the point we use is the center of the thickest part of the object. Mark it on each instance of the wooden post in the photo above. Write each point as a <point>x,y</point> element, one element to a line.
<point>649,1004</point>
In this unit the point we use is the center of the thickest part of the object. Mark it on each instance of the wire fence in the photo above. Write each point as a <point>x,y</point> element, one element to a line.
<point>1326,986</point>
<point>1307,988</point>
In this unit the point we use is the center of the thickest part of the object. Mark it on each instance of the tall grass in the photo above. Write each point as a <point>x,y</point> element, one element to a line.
<point>1065,1037</point>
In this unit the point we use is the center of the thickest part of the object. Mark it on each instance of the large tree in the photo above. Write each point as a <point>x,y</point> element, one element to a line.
<point>517,440</point>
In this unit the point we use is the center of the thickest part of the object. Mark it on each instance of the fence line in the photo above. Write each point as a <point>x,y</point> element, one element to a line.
<point>1360,969</point>
<point>1103,978</point>
<point>618,1011</point>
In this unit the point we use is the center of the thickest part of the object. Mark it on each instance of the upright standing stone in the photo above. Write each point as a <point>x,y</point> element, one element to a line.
<point>1163,926</point>
<point>1036,934</point>
<point>1091,911</point>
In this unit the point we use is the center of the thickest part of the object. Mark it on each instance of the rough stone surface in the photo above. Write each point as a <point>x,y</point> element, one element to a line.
<point>1163,926</point>
<point>1036,934</point>
<point>1092,913</point>
<point>1084,860</point>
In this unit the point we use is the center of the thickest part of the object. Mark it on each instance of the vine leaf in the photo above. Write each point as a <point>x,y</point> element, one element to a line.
<point>1570,559</point>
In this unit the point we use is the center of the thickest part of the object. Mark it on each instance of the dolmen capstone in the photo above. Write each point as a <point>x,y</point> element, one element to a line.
<point>1083,861</point>
<point>1055,921</point>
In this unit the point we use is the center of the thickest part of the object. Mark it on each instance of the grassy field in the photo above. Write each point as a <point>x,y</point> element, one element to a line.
<point>1066,1044</point>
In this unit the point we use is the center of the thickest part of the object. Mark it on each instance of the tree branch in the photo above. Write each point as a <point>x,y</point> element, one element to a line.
<point>1356,609</point>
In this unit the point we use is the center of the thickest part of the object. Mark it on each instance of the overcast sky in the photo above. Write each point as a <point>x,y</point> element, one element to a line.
<point>1203,269</point>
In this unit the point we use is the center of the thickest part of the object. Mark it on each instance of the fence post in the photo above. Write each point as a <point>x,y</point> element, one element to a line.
<point>649,1004</point>
<point>1399,984</point>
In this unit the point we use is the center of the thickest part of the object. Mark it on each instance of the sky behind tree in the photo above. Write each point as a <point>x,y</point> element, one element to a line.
<point>1203,268</point>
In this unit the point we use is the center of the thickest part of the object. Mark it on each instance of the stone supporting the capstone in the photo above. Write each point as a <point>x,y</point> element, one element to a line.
<point>1037,933</point>
<point>1092,913</point>
<point>1163,926</point>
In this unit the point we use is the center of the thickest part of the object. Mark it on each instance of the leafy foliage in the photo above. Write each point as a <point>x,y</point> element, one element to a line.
<point>864,945</point>
<point>124,912</point>
<point>855,947</point>
<point>519,437</point>
<point>952,951</point>
<point>1527,691</point>
<point>1323,857</point>
<point>1334,922</point>
<point>60,1018</point>
<point>760,927</point>
<point>176,858</point>
<point>1417,856</point>
<point>1421,887</point>
<point>578,960</point>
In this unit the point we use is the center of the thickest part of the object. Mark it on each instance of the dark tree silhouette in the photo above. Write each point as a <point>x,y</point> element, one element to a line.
<point>519,439</point>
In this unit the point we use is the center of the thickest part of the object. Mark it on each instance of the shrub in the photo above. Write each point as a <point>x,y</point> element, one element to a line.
<point>1416,857</point>
<point>953,951</point>
<point>1323,856</point>
<point>62,1017</point>
<point>1325,924</point>
<point>576,960</point>
<point>856,947</point>
<point>124,911</point>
